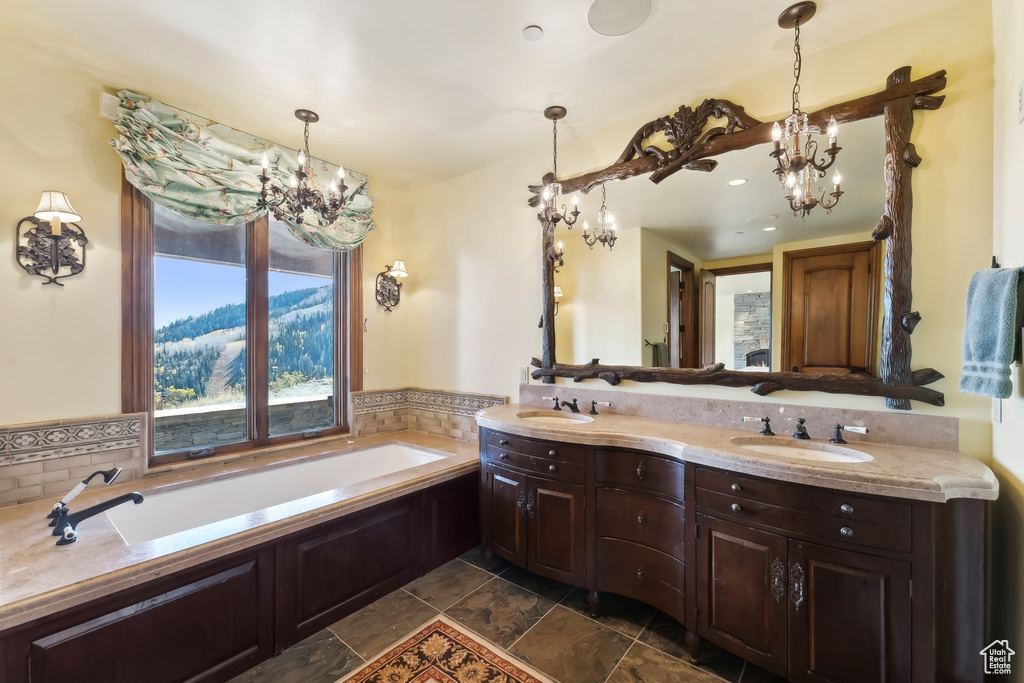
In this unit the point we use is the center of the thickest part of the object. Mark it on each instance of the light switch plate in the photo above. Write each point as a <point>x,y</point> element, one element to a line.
<point>1020,103</point>
<point>997,410</point>
<point>108,105</point>
<point>524,376</point>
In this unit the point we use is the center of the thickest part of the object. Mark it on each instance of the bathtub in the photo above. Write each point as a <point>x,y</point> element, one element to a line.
<point>190,509</point>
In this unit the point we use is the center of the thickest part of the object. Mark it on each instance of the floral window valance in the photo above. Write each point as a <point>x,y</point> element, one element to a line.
<point>207,171</point>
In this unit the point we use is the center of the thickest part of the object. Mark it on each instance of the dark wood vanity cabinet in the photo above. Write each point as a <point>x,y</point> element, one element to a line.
<point>815,584</point>
<point>533,520</point>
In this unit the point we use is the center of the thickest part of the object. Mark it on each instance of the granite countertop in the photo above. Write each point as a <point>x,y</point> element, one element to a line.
<point>897,471</point>
<point>38,578</point>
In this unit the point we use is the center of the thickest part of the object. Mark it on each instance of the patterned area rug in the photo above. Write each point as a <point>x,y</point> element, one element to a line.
<point>441,652</point>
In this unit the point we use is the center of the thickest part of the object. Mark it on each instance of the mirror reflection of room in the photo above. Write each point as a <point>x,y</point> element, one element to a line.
<point>743,321</point>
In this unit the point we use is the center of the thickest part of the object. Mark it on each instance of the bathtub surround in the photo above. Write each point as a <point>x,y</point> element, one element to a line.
<point>895,429</point>
<point>445,413</point>
<point>46,459</point>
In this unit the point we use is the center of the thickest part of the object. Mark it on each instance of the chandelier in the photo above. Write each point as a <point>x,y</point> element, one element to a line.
<point>605,233</point>
<point>551,207</point>
<point>795,149</point>
<point>302,195</point>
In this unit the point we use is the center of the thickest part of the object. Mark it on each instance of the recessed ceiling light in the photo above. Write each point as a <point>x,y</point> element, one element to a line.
<point>739,232</point>
<point>738,181</point>
<point>533,33</point>
<point>618,17</point>
<point>769,228</point>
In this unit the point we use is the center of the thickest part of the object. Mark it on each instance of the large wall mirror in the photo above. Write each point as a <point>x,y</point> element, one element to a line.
<point>709,272</point>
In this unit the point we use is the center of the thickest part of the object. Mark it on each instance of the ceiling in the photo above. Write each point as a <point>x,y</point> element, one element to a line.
<point>417,92</point>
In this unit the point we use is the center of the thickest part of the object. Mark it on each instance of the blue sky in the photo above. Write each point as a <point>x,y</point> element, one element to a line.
<point>183,288</point>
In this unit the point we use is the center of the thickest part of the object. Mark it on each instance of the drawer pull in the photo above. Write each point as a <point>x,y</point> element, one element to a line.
<point>736,487</point>
<point>503,442</point>
<point>551,453</point>
<point>736,507</point>
<point>551,468</point>
<point>778,580</point>
<point>529,506</point>
<point>641,519</point>
<point>846,508</point>
<point>641,573</point>
<point>503,456</point>
<point>796,585</point>
<point>641,470</point>
<point>846,531</point>
<point>521,503</point>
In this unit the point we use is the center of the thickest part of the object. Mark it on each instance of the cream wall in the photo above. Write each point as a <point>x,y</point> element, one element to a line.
<point>653,276</point>
<point>485,219</point>
<point>60,347</point>
<point>1007,537</point>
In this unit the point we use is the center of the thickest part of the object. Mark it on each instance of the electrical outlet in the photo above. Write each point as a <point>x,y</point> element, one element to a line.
<point>108,105</point>
<point>524,376</point>
<point>1020,103</point>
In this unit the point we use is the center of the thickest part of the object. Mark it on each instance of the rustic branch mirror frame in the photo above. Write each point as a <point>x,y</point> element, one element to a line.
<point>693,145</point>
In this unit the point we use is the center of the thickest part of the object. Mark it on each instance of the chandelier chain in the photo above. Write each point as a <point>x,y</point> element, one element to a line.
<point>305,140</point>
<point>554,153</point>
<point>797,63</point>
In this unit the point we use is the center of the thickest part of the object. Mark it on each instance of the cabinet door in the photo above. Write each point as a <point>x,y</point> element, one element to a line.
<point>504,508</point>
<point>451,515</point>
<point>557,544</point>
<point>741,591</point>
<point>849,616</point>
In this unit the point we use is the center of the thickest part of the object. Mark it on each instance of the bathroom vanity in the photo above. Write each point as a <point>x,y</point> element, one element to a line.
<point>858,570</point>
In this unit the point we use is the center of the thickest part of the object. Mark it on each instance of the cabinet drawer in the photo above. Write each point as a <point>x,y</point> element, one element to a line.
<point>556,469</point>
<point>544,449</point>
<point>641,573</point>
<point>817,501</point>
<point>824,527</point>
<point>637,470</point>
<point>642,519</point>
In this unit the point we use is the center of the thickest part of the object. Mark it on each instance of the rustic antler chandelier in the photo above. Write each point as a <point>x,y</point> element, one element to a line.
<point>290,204</point>
<point>605,233</point>
<point>796,150</point>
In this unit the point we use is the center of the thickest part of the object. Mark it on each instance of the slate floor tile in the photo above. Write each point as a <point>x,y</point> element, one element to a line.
<point>448,584</point>
<point>644,664</point>
<point>321,658</point>
<point>571,648</point>
<point>381,624</point>
<point>668,635</point>
<point>625,615</point>
<point>477,558</point>
<point>552,590</point>
<point>500,611</point>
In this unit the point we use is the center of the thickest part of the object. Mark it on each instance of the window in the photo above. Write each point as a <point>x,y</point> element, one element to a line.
<point>235,336</point>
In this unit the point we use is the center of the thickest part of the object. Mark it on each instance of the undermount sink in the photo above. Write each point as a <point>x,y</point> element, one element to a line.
<point>801,450</point>
<point>555,418</point>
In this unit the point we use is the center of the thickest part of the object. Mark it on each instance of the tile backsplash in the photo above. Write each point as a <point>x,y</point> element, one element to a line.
<point>896,428</point>
<point>447,413</point>
<point>46,459</point>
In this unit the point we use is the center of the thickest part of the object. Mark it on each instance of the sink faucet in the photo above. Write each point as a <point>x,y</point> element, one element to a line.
<point>800,432</point>
<point>595,404</point>
<point>108,478</point>
<point>573,408</point>
<point>67,524</point>
<point>838,436</point>
<point>766,430</point>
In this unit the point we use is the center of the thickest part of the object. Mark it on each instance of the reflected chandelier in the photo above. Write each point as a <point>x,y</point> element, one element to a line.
<point>795,150</point>
<point>605,233</point>
<point>302,195</point>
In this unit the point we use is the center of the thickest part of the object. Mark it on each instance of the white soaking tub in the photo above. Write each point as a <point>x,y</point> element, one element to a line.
<point>188,509</point>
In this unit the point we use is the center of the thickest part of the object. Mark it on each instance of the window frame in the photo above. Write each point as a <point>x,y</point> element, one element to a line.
<point>137,331</point>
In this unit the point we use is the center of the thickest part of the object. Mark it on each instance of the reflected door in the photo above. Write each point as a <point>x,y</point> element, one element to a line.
<point>707,317</point>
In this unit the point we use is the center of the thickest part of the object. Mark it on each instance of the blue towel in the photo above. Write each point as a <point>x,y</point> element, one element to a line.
<point>992,332</point>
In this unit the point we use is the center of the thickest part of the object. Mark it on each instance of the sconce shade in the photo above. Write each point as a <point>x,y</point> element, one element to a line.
<point>558,292</point>
<point>398,270</point>
<point>55,204</point>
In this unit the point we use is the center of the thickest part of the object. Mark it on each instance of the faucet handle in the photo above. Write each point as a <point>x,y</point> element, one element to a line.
<point>552,398</point>
<point>855,430</point>
<point>766,430</point>
<point>595,404</point>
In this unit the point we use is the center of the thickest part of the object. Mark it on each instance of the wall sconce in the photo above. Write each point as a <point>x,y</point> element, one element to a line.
<point>49,240</point>
<point>558,295</point>
<point>389,288</point>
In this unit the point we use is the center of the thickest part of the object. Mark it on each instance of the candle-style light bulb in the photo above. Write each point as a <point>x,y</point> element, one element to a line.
<point>575,201</point>
<point>833,130</point>
<point>294,181</point>
<point>559,246</point>
<point>585,227</point>
<point>837,178</point>
<point>302,158</point>
<point>341,173</point>
<point>334,187</point>
<point>776,132</point>
<point>266,164</point>
<point>791,180</point>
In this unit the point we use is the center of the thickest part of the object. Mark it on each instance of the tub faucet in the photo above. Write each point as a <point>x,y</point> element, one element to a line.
<point>67,524</point>
<point>108,478</point>
<point>573,407</point>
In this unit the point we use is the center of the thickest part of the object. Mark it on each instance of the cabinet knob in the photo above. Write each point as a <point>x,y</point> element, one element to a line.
<point>503,456</point>
<point>736,507</point>
<point>641,573</point>
<point>641,470</point>
<point>736,487</point>
<point>552,453</point>
<point>641,518</point>
<point>847,509</point>
<point>551,468</point>
<point>846,531</point>
<point>503,442</point>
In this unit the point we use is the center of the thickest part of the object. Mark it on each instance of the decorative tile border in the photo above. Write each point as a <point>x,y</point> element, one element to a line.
<point>65,438</point>
<point>449,402</point>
